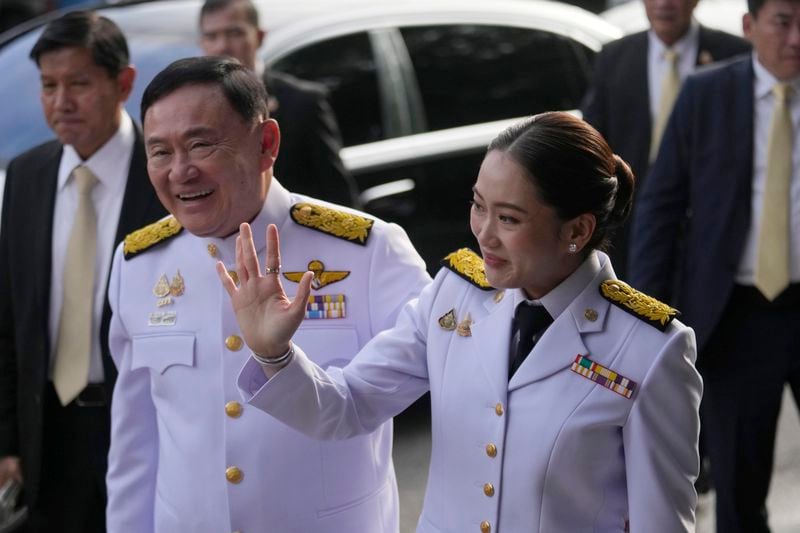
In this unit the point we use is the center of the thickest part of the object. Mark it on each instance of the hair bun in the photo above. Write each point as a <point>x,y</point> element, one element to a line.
<point>623,200</point>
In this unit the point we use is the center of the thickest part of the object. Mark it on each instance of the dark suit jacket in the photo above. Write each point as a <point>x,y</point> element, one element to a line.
<point>702,178</point>
<point>25,266</point>
<point>618,104</point>
<point>308,161</point>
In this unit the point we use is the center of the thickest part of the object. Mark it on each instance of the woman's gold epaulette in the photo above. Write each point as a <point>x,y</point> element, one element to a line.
<point>347,226</point>
<point>148,236</point>
<point>640,305</point>
<point>469,266</point>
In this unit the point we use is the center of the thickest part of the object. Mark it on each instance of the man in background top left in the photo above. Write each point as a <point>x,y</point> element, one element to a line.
<point>67,203</point>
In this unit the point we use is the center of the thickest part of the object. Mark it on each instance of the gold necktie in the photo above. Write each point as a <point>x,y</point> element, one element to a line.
<point>74,348</point>
<point>670,86</point>
<point>772,264</point>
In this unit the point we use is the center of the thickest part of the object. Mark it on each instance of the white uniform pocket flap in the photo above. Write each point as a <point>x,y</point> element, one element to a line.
<point>328,346</point>
<point>160,352</point>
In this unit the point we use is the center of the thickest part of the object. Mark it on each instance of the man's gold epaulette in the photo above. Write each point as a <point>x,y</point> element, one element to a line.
<point>148,236</point>
<point>469,266</point>
<point>347,226</point>
<point>640,305</point>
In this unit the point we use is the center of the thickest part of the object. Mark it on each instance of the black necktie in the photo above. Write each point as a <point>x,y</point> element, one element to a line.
<point>531,321</point>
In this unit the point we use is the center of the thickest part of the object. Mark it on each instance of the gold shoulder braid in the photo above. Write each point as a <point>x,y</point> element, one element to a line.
<point>148,236</point>
<point>640,305</point>
<point>469,266</point>
<point>340,224</point>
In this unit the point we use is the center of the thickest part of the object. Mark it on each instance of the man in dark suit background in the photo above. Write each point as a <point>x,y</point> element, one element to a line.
<point>635,83</point>
<point>729,170</point>
<point>310,138</point>
<point>67,203</point>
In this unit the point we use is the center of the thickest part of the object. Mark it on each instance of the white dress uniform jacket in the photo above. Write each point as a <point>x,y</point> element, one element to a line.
<point>185,455</point>
<point>548,451</point>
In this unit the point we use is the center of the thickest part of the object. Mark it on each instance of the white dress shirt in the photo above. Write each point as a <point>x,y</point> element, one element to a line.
<point>110,164</point>
<point>657,66</point>
<point>763,101</point>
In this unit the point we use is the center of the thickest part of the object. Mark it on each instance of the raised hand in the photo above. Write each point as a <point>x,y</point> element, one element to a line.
<point>267,318</point>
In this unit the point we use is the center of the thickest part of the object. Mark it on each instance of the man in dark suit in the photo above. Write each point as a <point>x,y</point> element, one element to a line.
<point>729,171</point>
<point>310,139</point>
<point>67,203</point>
<point>628,101</point>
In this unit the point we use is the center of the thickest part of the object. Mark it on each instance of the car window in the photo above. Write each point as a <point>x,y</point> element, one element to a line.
<point>346,65</point>
<point>473,73</point>
<point>435,214</point>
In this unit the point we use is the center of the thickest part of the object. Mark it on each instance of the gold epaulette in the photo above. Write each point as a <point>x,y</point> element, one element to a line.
<point>640,305</point>
<point>469,266</point>
<point>148,236</point>
<point>340,224</point>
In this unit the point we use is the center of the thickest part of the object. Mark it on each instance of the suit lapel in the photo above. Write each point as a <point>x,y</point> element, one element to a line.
<point>491,336</point>
<point>42,224</point>
<point>639,95</point>
<point>137,205</point>
<point>742,131</point>
<point>563,340</point>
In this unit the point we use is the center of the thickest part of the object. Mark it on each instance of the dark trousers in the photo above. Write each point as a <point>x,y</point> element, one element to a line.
<point>72,494</point>
<point>752,355</point>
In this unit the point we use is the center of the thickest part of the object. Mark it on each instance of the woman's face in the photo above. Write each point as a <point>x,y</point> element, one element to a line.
<point>522,241</point>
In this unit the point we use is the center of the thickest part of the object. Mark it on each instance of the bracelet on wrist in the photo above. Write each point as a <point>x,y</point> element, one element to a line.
<point>274,361</point>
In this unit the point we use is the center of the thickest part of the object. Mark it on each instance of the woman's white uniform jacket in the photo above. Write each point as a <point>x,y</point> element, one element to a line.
<point>552,450</point>
<point>185,455</point>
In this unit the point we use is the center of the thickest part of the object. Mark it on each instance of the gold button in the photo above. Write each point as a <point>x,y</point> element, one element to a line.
<point>491,450</point>
<point>234,276</point>
<point>590,314</point>
<point>499,409</point>
<point>498,296</point>
<point>233,409</point>
<point>234,343</point>
<point>212,250</point>
<point>488,489</point>
<point>234,474</point>
<point>486,527</point>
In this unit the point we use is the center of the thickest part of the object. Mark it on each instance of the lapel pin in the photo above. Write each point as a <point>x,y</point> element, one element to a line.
<point>161,291</point>
<point>177,285</point>
<point>590,315</point>
<point>448,320</point>
<point>463,328</point>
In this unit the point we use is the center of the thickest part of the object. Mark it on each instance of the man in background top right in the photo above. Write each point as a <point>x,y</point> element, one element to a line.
<point>729,171</point>
<point>635,82</point>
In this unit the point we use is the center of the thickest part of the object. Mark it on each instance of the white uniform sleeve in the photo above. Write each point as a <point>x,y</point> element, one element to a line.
<point>660,440</point>
<point>386,376</point>
<point>397,274</point>
<point>133,456</point>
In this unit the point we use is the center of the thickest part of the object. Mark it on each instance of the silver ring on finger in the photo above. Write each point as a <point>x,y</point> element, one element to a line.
<point>270,270</point>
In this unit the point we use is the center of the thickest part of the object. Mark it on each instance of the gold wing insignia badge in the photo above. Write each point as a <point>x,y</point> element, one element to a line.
<point>469,266</point>
<point>640,305</point>
<point>347,226</point>
<point>148,236</point>
<point>321,278</point>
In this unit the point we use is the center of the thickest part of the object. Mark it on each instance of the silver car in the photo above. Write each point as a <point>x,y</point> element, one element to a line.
<point>418,87</point>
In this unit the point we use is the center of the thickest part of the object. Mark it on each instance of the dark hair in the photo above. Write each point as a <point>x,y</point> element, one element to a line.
<point>85,29</point>
<point>573,169</point>
<point>754,6</point>
<point>241,87</point>
<point>250,11</point>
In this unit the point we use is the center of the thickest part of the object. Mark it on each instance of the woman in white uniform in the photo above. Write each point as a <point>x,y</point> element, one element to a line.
<point>562,399</point>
